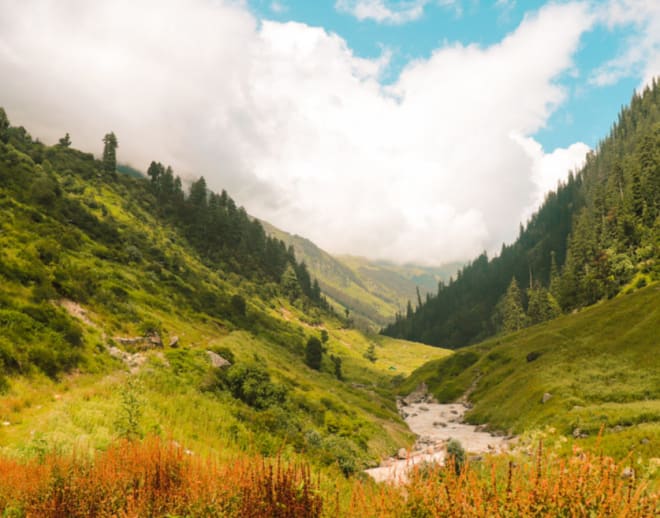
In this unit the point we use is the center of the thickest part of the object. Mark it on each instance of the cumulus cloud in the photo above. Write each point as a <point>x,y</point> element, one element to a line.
<point>295,125</point>
<point>642,50</point>
<point>379,11</point>
<point>548,169</point>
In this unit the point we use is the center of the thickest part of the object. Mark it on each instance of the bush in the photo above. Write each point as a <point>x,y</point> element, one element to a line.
<point>456,455</point>
<point>252,385</point>
<point>313,353</point>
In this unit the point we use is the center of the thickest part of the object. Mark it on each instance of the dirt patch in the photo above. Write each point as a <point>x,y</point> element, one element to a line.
<point>76,310</point>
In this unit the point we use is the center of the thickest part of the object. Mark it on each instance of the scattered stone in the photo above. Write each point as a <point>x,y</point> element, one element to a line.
<point>174,341</point>
<point>475,458</point>
<point>628,473</point>
<point>491,447</point>
<point>402,454</point>
<point>645,441</point>
<point>216,360</point>
<point>424,408</point>
<point>577,433</point>
<point>440,423</point>
<point>116,352</point>
<point>155,340</point>
<point>546,397</point>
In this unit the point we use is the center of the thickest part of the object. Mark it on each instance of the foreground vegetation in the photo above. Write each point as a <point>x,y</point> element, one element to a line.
<point>157,478</point>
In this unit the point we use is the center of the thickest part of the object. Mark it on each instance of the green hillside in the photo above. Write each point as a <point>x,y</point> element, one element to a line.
<point>598,231</point>
<point>116,292</point>
<point>373,291</point>
<point>599,367</point>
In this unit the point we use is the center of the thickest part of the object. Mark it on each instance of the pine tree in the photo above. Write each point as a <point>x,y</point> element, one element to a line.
<point>110,146</point>
<point>4,126</point>
<point>65,141</point>
<point>511,314</point>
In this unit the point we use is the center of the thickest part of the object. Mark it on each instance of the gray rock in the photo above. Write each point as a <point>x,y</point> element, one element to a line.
<point>546,397</point>
<point>402,454</point>
<point>216,360</point>
<point>174,341</point>
<point>577,433</point>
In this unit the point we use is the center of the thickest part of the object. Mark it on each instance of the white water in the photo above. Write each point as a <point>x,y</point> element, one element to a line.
<point>434,425</point>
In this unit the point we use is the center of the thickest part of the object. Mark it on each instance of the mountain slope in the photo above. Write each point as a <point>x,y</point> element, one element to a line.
<point>116,293</point>
<point>598,232</point>
<point>597,368</point>
<point>372,291</point>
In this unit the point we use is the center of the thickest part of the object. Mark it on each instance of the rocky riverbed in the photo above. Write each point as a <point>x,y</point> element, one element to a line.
<point>435,424</point>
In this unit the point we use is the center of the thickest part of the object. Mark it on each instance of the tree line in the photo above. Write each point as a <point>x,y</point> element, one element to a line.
<point>597,233</point>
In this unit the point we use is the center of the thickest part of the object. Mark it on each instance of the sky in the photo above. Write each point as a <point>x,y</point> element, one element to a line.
<point>416,131</point>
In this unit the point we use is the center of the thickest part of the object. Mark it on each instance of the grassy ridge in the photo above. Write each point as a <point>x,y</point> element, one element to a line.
<point>601,368</point>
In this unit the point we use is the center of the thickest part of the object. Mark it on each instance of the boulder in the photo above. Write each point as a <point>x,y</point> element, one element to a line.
<point>402,454</point>
<point>216,360</point>
<point>174,341</point>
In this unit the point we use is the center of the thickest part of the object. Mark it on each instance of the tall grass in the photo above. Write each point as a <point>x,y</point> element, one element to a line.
<point>160,478</point>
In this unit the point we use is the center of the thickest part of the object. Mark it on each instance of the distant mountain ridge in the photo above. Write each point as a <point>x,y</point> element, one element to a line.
<point>373,291</point>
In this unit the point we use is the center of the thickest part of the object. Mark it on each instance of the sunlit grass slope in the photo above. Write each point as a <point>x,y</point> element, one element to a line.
<point>598,368</point>
<point>87,262</point>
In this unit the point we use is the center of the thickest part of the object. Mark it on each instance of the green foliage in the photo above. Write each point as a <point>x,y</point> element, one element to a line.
<point>509,313</point>
<point>456,455</point>
<point>110,145</point>
<point>131,411</point>
<point>313,353</point>
<point>252,385</point>
<point>238,305</point>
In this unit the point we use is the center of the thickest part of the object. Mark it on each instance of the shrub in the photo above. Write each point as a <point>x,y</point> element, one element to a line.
<point>252,385</point>
<point>456,454</point>
<point>314,353</point>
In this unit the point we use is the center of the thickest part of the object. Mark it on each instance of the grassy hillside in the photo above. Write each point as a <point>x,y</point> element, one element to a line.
<point>373,291</point>
<point>600,366</point>
<point>109,306</point>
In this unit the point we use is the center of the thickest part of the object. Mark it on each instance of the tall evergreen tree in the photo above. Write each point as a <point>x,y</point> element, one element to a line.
<point>110,146</point>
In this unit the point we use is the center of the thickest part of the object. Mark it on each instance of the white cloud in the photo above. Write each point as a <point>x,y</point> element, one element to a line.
<point>549,169</point>
<point>293,124</point>
<point>379,11</point>
<point>642,50</point>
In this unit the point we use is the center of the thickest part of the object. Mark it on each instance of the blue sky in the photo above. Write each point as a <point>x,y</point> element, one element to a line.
<point>585,115</point>
<point>416,131</point>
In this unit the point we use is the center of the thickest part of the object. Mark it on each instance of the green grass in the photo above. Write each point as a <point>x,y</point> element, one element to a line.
<point>601,365</point>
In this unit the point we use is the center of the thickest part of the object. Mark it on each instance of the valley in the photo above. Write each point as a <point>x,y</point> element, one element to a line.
<point>164,353</point>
